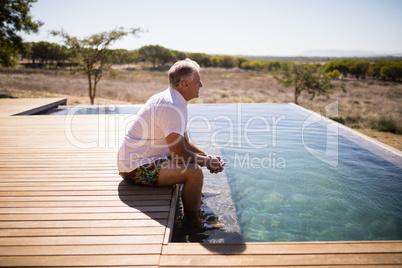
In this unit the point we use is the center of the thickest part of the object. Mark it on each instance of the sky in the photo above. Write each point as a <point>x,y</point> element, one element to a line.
<point>247,27</point>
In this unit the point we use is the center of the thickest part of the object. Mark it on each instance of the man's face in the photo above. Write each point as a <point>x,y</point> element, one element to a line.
<point>194,86</point>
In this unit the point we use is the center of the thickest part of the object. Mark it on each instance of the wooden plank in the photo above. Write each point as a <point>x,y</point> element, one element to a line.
<point>82,240</point>
<point>60,178</point>
<point>283,248</point>
<point>86,260</point>
<point>132,203</point>
<point>65,168</point>
<point>81,224</point>
<point>296,266</point>
<point>28,106</point>
<point>73,193</point>
<point>52,164</point>
<point>122,192</point>
<point>53,183</point>
<point>333,254</point>
<point>172,215</point>
<point>148,230</point>
<point>80,250</point>
<point>82,198</point>
<point>29,173</point>
<point>60,188</point>
<point>86,216</point>
<point>73,188</point>
<point>120,266</point>
<point>281,260</point>
<point>70,210</point>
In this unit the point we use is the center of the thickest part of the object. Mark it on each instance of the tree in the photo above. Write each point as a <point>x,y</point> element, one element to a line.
<point>155,54</point>
<point>40,51</point>
<point>392,71</point>
<point>202,59</point>
<point>227,62</point>
<point>14,18</point>
<point>304,77</point>
<point>239,61</point>
<point>178,55</point>
<point>165,56</point>
<point>340,65</point>
<point>375,69</point>
<point>92,53</point>
<point>358,68</point>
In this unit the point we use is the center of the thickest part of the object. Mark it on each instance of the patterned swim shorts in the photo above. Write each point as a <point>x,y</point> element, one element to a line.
<point>147,174</point>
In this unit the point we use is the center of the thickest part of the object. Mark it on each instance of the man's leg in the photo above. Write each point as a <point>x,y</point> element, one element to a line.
<point>191,176</point>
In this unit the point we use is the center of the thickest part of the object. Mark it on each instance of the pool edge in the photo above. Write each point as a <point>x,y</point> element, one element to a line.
<point>375,142</point>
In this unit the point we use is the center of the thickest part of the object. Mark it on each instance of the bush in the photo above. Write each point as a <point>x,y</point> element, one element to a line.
<point>387,125</point>
<point>335,74</point>
<point>338,119</point>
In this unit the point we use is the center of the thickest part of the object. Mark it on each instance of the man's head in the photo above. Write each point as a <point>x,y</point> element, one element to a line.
<point>184,76</point>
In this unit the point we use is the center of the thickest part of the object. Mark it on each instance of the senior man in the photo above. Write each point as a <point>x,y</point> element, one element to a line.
<point>157,150</point>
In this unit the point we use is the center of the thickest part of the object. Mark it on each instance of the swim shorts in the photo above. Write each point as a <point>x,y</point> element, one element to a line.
<point>147,174</point>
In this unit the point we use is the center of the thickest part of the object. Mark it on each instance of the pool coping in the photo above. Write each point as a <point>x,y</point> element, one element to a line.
<point>172,214</point>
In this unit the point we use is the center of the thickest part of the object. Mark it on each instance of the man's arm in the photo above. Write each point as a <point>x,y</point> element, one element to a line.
<point>181,154</point>
<point>190,145</point>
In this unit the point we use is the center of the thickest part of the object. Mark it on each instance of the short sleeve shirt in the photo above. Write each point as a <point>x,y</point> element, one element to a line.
<point>145,141</point>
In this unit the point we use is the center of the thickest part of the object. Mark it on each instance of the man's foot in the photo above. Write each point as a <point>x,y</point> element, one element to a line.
<point>193,218</point>
<point>212,221</point>
<point>217,225</point>
<point>209,193</point>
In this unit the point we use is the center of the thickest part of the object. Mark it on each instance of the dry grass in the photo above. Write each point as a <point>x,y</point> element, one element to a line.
<point>364,103</point>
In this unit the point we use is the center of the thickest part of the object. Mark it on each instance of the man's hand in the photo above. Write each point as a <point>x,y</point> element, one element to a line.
<point>215,164</point>
<point>179,153</point>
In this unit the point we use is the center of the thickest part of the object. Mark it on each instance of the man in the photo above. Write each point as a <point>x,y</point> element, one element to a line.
<point>157,150</point>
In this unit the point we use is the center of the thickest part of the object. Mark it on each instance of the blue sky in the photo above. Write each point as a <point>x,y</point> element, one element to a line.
<point>249,27</point>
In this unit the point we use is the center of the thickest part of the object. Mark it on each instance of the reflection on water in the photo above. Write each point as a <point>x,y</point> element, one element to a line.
<point>217,208</point>
<point>217,205</point>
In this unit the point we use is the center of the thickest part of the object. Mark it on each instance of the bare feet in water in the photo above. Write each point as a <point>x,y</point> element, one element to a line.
<point>209,193</point>
<point>193,218</point>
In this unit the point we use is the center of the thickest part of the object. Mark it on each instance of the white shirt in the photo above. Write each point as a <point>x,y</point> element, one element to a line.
<point>145,142</point>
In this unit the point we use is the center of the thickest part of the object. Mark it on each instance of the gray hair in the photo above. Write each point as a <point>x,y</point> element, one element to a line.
<point>182,70</point>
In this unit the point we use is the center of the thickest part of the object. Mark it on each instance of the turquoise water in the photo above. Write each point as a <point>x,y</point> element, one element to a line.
<point>290,176</point>
<point>291,195</point>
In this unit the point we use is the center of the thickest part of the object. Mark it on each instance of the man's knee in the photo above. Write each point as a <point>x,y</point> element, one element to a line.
<point>194,172</point>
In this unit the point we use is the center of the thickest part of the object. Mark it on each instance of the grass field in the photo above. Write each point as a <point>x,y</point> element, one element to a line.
<point>363,106</point>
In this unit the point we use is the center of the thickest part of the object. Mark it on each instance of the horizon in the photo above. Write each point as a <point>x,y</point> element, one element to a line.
<point>257,28</point>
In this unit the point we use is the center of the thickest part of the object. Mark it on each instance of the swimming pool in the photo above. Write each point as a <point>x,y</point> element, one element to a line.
<point>294,176</point>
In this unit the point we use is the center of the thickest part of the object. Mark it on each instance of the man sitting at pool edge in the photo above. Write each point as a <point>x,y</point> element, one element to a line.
<point>157,151</point>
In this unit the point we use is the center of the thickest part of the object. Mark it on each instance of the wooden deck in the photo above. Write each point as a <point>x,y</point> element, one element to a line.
<point>306,254</point>
<point>28,106</point>
<point>62,204</point>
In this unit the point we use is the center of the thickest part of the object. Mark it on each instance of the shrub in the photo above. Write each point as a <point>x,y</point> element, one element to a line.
<point>384,124</point>
<point>335,74</point>
<point>338,119</point>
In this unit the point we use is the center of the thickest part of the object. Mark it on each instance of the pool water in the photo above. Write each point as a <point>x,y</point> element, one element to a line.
<point>299,196</point>
<point>294,177</point>
<point>290,176</point>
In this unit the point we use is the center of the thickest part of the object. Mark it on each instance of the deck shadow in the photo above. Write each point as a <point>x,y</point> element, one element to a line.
<point>226,249</point>
<point>153,202</point>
